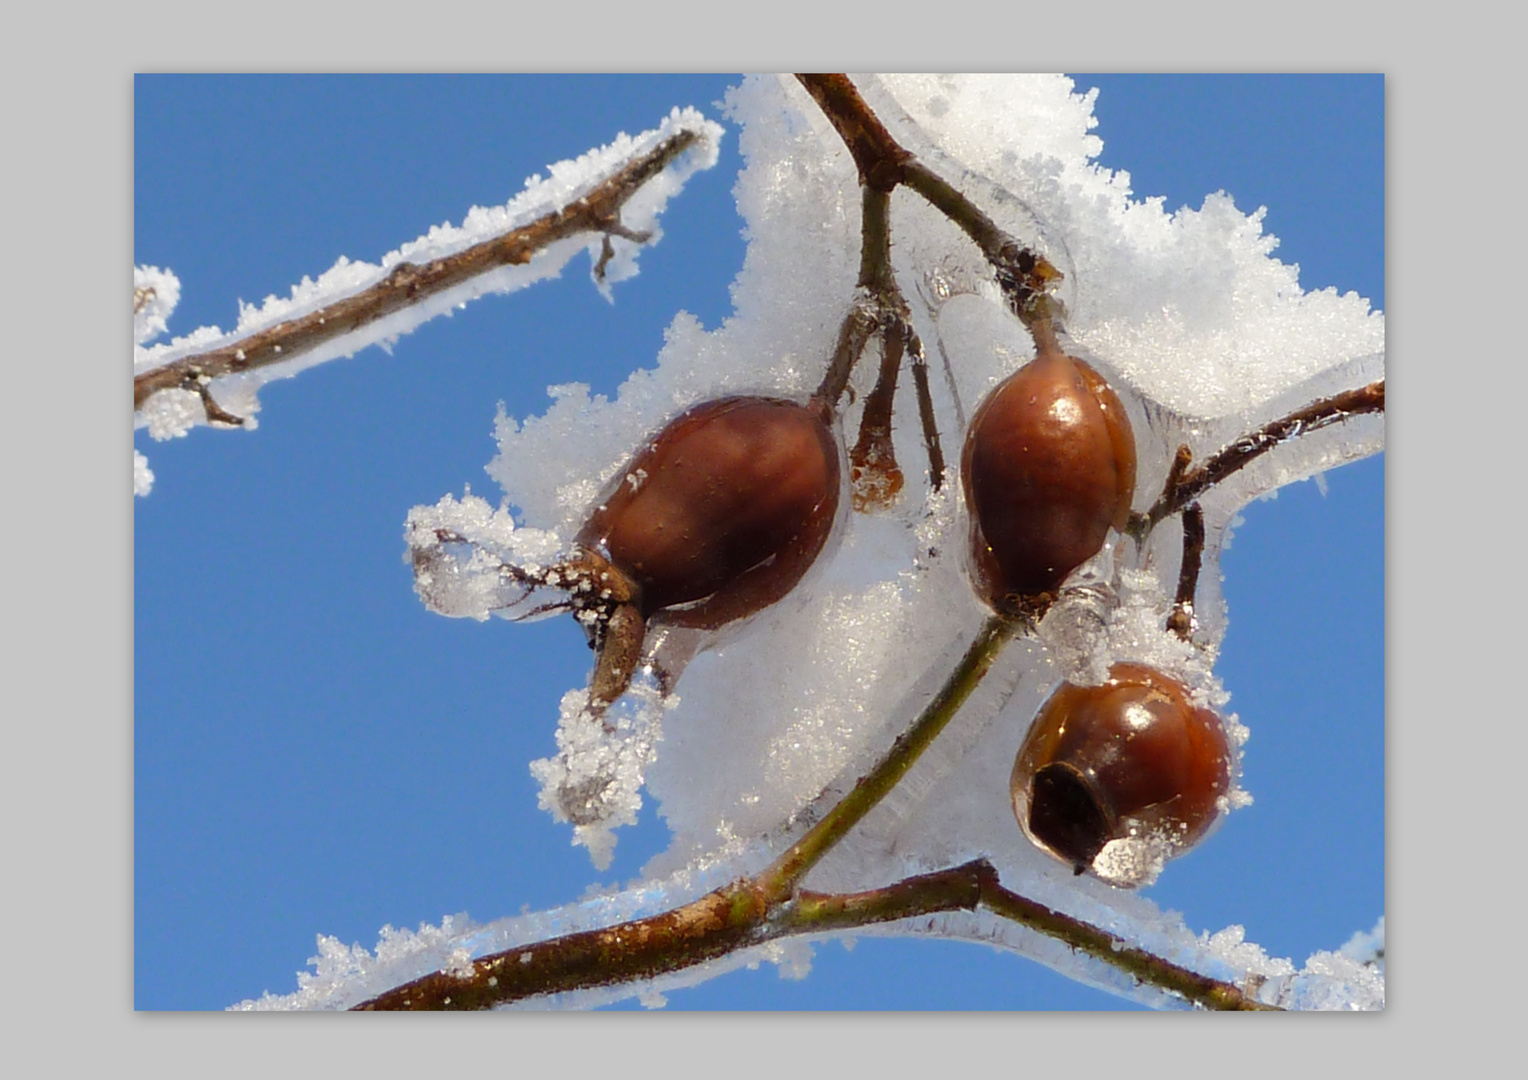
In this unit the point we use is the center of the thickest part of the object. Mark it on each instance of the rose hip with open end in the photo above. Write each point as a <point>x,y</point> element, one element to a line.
<point>1131,763</point>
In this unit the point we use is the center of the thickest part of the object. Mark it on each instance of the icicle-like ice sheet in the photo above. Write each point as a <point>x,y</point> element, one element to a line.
<point>1203,334</point>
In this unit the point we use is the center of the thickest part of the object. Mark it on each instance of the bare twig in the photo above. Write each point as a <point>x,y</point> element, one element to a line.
<point>876,154</point>
<point>1181,621</point>
<point>215,412</point>
<point>410,283</point>
<point>1186,485</point>
<point>878,303</point>
<point>1023,275</point>
<point>1117,952</point>
<point>853,335</point>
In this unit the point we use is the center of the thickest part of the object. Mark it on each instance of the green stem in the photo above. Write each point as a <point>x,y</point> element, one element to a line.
<point>779,880</point>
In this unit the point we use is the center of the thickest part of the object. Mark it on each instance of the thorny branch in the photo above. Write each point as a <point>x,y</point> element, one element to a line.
<point>410,283</point>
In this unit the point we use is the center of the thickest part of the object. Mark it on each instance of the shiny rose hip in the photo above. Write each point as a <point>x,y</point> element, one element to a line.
<point>1130,770</point>
<point>715,519</point>
<point>1048,469</point>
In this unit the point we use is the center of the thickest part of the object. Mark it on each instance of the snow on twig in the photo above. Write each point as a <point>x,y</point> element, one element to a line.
<point>607,202</point>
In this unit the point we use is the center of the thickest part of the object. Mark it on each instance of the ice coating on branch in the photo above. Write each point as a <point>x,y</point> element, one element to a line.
<point>1367,947</point>
<point>1201,331</point>
<point>566,182</point>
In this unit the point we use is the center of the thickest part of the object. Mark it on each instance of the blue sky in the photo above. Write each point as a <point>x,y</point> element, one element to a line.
<point>315,752</point>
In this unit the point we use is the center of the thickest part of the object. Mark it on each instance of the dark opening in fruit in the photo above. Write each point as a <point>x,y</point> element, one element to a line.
<point>1118,778</point>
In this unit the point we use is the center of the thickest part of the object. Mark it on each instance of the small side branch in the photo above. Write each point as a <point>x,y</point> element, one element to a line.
<point>1185,485</point>
<point>1181,621</point>
<point>410,283</point>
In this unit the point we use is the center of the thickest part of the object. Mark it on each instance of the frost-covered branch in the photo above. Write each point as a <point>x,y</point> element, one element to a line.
<point>411,283</point>
<point>741,916</point>
<point>1184,485</point>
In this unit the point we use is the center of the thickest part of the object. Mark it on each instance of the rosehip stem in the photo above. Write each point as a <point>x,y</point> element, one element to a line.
<point>779,880</point>
<point>926,414</point>
<point>873,460</point>
<point>880,302</point>
<point>411,283</point>
<point>1023,275</point>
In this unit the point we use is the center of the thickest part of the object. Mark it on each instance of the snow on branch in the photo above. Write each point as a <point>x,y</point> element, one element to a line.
<point>607,202</point>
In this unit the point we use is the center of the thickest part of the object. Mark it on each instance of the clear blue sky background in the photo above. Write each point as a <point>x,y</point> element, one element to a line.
<point>315,752</point>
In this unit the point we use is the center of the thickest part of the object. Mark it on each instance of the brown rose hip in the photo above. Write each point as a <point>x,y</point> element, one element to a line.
<point>1133,761</point>
<point>716,518</point>
<point>1048,469</point>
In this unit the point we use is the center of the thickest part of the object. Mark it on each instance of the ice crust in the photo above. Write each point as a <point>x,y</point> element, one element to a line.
<point>1203,334</point>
